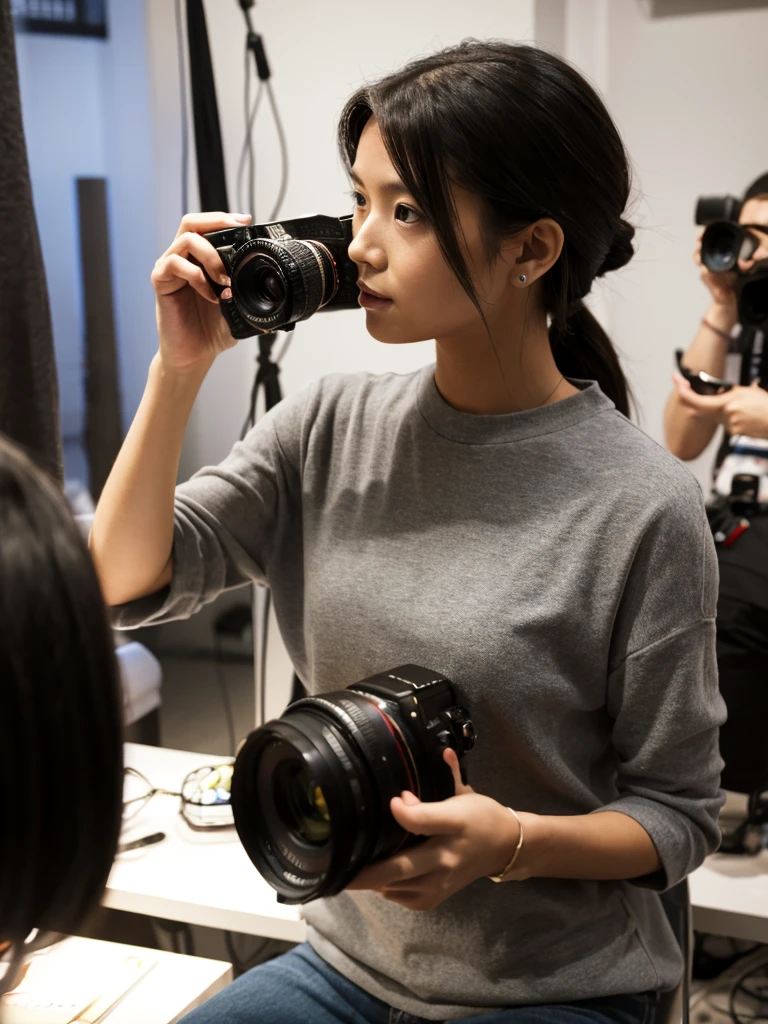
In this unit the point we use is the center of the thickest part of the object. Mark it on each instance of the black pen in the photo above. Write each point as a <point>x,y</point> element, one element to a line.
<point>156,837</point>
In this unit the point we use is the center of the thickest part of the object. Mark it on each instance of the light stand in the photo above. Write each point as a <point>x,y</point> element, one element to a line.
<point>267,377</point>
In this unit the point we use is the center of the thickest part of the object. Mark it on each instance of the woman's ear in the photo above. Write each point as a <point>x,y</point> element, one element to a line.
<point>536,249</point>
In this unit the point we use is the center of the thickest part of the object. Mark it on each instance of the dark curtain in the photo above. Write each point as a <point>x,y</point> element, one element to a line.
<point>29,396</point>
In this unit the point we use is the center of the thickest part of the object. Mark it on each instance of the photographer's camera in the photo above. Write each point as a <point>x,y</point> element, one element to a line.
<point>284,272</point>
<point>311,790</point>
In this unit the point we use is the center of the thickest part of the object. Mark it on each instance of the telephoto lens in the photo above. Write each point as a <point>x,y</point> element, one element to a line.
<point>724,243</point>
<point>311,789</point>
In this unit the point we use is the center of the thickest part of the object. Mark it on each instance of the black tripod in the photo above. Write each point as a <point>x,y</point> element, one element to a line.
<point>268,378</point>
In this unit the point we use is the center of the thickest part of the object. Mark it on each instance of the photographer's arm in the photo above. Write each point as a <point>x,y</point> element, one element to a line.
<point>687,431</point>
<point>132,534</point>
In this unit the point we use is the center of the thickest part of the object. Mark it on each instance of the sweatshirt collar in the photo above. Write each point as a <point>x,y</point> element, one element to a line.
<point>471,428</point>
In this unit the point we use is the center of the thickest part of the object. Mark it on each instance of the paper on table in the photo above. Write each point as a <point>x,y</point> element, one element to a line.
<point>62,987</point>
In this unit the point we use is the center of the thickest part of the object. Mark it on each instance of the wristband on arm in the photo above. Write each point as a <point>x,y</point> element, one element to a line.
<point>716,330</point>
<point>518,848</point>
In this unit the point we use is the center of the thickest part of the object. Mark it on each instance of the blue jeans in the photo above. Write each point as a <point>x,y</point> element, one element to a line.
<point>301,988</point>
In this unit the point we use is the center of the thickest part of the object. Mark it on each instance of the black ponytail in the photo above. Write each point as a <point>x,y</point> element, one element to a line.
<point>583,351</point>
<point>521,129</point>
<point>581,348</point>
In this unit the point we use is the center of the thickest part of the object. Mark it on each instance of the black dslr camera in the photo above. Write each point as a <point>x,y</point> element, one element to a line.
<point>311,789</point>
<point>724,243</point>
<point>284,272</point>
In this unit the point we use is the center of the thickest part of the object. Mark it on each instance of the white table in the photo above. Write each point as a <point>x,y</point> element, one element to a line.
<point>209,880</point>
<point>199,878</point>
<point>175,984</point>
<point>729,896</point>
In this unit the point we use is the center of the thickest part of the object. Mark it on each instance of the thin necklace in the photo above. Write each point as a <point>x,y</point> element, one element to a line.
<point>554,389</point>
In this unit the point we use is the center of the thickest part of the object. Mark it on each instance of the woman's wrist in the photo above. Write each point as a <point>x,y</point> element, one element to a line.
<point>722,317</point>
<point>530,854</point>
<point>604,846</point>
<point>182,378</point>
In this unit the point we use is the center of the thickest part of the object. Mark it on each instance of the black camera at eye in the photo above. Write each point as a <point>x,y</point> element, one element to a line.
<point>311,789</point>
<point>725,241</point>
<point>284,272</point>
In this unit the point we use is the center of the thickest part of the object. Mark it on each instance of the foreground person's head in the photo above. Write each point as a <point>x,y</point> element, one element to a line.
<point>60,713</point>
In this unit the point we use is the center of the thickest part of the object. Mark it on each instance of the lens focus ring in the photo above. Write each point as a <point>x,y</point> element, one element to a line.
<point>302,274</point>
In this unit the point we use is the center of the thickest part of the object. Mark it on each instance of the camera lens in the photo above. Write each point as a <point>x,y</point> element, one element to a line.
<point>723,244</point>
<point>275,283</point>
<point>304,803</point>
<point>720,245</point>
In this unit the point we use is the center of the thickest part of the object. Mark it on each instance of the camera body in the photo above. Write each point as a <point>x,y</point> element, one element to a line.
<point>723,244</point>
<point>424,702</point>
<point>284,272</point>
<point>311,790</point>
<point>712,208</point>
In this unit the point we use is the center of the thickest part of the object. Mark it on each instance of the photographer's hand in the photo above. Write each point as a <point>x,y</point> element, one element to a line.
<point>189,321</point>
<point>471,836</point>
<point>742,410</point>
<point>721,287</point>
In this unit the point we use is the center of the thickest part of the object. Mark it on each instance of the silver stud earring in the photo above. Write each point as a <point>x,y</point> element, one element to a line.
<point>522,279</point>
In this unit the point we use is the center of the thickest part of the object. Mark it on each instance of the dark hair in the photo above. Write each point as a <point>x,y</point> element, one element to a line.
<point>61,754</point>
<point>759,187</point>
<point>522,130</point>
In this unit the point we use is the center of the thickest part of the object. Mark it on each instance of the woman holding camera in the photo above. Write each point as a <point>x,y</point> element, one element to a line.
<point>691,421</point>
<point>488,516</point>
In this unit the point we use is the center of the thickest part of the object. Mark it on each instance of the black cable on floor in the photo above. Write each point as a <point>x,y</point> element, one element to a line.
<point>760,997</point>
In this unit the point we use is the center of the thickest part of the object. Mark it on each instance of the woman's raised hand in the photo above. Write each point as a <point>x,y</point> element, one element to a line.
<point>720,285</point>
<point>190,323</point>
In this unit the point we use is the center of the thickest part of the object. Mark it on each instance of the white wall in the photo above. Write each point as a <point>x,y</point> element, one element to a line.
<point>688,94</point>
<point>319,53</point>
<point>129,141</point>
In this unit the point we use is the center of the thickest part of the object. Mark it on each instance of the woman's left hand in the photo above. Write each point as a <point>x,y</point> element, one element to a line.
<point>472,836</point>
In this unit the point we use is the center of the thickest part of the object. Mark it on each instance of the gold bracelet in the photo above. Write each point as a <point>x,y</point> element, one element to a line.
<point>500,876</point>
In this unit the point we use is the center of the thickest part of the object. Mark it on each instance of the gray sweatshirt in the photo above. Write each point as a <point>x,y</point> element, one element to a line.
<point>557,565</point>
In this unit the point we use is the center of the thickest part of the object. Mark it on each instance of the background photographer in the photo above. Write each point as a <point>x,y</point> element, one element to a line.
<point>690,422</point>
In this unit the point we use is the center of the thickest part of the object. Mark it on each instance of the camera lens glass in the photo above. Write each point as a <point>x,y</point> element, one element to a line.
<point>300,802</point>
<point>720,246</point>
<point>261,287</point>
<point>723,244</point>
